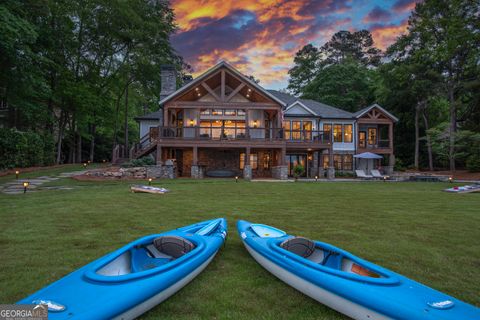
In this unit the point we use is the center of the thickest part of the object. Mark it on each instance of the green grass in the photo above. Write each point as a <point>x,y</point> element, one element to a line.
<point>412,228</point>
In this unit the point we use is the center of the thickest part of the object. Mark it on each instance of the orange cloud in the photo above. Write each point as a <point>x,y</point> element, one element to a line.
<point>261,37</point>
<point>386,35</point>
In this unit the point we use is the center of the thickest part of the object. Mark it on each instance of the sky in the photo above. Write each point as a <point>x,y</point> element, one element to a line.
<point>261,37</point>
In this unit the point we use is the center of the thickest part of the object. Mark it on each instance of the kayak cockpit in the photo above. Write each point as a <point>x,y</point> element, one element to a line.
<point>327,257</point>
<point>143,257</point>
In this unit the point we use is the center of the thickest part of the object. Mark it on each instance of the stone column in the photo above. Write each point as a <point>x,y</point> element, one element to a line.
<point>280,172</point>
<point>158,157</point>
<point>331,166</point>
<point>247,168</point>
<point>314,169</point>
<point>391,164</point>
<point>197,172</point>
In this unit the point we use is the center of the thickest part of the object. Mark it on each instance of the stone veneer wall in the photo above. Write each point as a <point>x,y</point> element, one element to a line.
<point>280,172</point>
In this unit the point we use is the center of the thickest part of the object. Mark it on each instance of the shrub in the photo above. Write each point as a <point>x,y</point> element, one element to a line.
<point>473,163</point>
<point>25,149</point>
<point>145,161</point>
<point>298,170</point>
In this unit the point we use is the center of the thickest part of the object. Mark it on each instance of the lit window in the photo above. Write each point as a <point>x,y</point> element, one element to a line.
<point>242,160</point>
<point>206,112</point>
<point>254,161</point>
<point>230,112</point>
<point>362,139</point>
<point>347,133</point>
<point>337,133</point>
<point>217,112</point>
<point>286,126</point>
<point>372,136</point>
<point>337,161</point>
<point>326,159</point>
<point>348,162</point>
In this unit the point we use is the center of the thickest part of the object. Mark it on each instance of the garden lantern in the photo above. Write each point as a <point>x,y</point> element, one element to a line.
<point>25,186</point>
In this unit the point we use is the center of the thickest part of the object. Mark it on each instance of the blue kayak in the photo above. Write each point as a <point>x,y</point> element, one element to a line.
<point>131,280</point>
<point>346,283</point>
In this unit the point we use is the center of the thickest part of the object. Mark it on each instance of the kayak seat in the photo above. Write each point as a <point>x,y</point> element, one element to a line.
<point>317,256</point>
<point>173,246</point>
<point>300,246</point>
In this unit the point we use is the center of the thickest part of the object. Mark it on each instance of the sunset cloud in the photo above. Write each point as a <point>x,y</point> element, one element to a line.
<point>261,37</point>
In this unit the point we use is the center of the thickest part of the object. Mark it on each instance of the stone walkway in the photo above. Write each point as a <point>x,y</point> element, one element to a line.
<point>35,184</point>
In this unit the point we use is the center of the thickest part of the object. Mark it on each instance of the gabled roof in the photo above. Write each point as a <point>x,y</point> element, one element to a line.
<point>211,71</point>
<point>360,113</point>
<point>319,109</point>
<point>157,115</point>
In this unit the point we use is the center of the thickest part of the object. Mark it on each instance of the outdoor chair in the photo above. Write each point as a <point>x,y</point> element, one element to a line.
<point>361,174</point>
<point>376,174</point>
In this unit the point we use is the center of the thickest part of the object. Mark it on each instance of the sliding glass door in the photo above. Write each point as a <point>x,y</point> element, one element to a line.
<point>294,160</point>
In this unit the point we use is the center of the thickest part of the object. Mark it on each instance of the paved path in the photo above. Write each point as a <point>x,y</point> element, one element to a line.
<point>35,184</point>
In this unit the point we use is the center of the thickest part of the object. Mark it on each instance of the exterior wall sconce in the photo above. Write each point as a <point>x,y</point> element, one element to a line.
<point>17,173</point>
<point>192,122</point>
<point>149,181</point>
<point>310,157</point>
<point>255,123</point>
<point>25,186</point>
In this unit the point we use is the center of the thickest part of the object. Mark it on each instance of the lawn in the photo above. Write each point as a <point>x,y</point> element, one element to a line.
<point>411,228</point>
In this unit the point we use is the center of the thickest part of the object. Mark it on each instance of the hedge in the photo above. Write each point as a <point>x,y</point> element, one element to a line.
<point>25,149</point>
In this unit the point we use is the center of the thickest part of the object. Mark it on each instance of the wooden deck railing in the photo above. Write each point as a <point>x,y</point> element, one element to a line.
<point>229,134</point>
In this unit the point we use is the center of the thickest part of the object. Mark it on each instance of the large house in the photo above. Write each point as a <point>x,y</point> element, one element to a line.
<point>224,124</point>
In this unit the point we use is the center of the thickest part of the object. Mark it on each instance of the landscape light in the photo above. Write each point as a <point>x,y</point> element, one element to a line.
<point>25,186</point>
<point>236,178</point>
<point>149,181</point>
<point>17,173</point>
<point>316,178</point>
<point>104,160</point>
<point>84,164</point>
<point>450,179</point>
<point>88,161</point>
<point>385,178</point>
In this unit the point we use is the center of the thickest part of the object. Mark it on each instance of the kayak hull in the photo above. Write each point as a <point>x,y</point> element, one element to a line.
<point>381,294</point>
<point>323,296</point>
<point>93,293</point>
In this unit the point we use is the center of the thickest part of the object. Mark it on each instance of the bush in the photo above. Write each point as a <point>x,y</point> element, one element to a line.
<point>145,161</point>
<point>473,163</point>
<point>298,171</point>
<point>25,149</point>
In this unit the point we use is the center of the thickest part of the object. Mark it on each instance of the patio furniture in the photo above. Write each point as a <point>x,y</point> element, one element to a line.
<point>376,174</point>
<point>361,174</point>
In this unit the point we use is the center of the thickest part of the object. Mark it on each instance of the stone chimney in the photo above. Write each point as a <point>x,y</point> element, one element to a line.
<point>169,81</point>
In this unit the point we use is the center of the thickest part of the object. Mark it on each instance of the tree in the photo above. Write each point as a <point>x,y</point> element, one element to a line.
<point>346,85</point>
<point>446,33</point>
<point>305,68</point>
<point>356,45</point>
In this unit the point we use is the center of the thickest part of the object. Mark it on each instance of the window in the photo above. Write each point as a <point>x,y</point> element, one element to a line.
<point>372,136</point>
<point>240,112</point>
<point>217,112</point>
<point>337,161</point>
<point>230,112</point>
<point>253,161</point>
<point>327,127</point>
<point>286,127</point>
<point>242,161</point>
<point>362,139</point>
<point>307,130</point>
<point>296,127</point>
<point>266,160</point>
<point>347,133</point>
<point>347,162</point>
<point>326,159</point>
<point>337,132</point>
<point>205,112</point>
